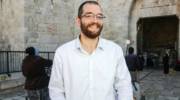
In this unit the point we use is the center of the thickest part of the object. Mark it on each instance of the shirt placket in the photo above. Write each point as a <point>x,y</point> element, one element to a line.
<point>91,77</point>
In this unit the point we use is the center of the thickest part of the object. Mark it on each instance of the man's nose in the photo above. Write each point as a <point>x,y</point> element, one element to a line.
<point>95,19</point>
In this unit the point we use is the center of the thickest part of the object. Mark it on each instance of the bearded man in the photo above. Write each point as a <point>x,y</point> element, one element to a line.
<point>90,67</point>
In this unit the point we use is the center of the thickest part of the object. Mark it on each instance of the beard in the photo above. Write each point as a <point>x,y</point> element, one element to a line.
<point>89,33</point>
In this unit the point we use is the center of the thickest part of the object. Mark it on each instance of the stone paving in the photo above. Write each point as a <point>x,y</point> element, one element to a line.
<point>157,86</point>
<point>17,93</point>
<point>154,85</point>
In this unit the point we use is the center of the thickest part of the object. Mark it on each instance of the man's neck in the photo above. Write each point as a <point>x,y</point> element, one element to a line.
<point>88,44</point>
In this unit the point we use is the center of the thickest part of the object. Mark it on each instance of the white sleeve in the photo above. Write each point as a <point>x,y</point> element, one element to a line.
<point>123,80</point>
<point>56,84</point>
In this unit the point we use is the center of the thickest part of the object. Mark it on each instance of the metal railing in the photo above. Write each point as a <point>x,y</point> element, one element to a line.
<point>10,61</point>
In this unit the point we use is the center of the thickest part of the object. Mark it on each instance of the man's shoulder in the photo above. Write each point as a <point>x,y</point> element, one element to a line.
<point>66,46</point>
<point>110,43</point>
<point>112,47</point>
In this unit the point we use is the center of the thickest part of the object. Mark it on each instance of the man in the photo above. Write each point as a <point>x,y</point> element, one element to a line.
<point>33,68</point>
<point>132,63</point>
<point>89,67</point>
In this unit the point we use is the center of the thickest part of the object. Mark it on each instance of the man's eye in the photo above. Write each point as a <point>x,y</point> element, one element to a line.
<point>100,17</point>
<point>88,15</point>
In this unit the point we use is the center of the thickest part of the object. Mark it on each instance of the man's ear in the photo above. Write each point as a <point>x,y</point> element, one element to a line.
<point>78,21</point>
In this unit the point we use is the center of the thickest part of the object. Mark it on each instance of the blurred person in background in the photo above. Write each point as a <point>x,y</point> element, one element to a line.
<point>34,70</point>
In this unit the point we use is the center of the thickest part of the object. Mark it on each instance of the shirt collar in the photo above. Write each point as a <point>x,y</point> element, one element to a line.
<point>100,45</point>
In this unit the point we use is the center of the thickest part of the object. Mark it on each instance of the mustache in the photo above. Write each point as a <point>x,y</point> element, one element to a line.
<point>97,24</point>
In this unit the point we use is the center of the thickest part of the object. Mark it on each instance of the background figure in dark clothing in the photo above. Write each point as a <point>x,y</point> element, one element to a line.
<point>150,63</point>
<point>166,63</point>
<point>132,63</point>
<point>33,68</point>
<point>141,62</point>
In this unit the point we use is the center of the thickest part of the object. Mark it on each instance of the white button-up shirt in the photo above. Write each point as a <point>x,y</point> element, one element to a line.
<point>77,75</point>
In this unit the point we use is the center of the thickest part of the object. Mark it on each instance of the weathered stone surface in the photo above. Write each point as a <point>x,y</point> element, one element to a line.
<point>46,24</point>
<point>12,24</point>
<point>16,79</point>
<point>153,87</point>
<point>158,11</point>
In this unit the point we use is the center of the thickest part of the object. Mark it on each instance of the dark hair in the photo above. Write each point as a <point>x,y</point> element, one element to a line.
<point>30,50</point>
<point>80,10</point>
<point>131,50</point>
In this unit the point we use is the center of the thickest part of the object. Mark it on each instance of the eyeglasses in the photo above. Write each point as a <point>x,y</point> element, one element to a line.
<point>92,16</point>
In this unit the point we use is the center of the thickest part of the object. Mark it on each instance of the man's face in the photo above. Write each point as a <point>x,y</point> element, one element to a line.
<point>91,21</point>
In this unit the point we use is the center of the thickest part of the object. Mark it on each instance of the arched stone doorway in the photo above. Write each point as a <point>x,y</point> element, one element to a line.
<point>157,33</point>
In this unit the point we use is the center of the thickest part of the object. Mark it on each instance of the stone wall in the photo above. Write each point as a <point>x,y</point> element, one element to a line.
<point>158,8</point>
<point>51,23</point>
<point>11,24</point>
<point>46,24</point>
<point>116,23</point>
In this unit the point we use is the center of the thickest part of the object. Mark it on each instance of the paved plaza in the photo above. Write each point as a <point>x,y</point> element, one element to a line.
<point>154,85</point>
<point>17,93</point>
